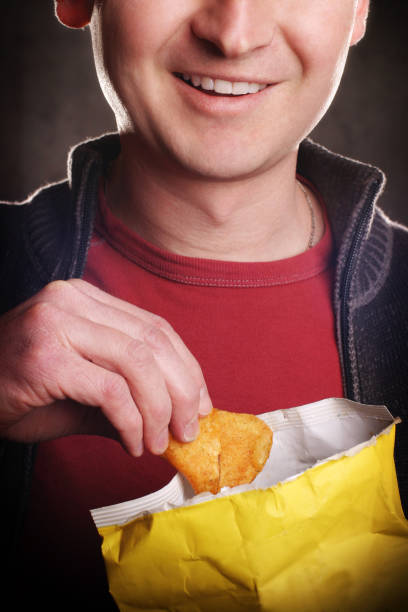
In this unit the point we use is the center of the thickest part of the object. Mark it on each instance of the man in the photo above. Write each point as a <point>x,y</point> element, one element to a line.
<point>207,254</point>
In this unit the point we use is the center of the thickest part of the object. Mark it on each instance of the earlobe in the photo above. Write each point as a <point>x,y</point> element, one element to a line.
<point>360,21</point>
<point>74,13</point>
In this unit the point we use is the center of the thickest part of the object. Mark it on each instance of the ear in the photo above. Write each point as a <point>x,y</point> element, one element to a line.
<point>360,21</point>
<point>74,13</point>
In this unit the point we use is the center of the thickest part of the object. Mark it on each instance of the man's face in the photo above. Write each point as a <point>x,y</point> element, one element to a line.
<point>297,48</point>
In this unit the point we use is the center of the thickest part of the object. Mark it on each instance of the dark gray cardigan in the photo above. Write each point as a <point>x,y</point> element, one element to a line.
<point>47,238</point>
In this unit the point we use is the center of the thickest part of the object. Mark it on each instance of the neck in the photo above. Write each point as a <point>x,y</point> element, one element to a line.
<point>264,217</point>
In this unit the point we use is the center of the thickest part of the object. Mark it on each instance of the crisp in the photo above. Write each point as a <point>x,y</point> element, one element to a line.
<point>231,449</point>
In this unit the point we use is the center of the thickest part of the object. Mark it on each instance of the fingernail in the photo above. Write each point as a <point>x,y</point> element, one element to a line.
<point>205,402</point>
<point>191,430</point>
<point>162,442</point>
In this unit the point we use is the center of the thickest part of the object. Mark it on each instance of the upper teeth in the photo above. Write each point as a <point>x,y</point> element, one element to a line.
<point>223,87</point>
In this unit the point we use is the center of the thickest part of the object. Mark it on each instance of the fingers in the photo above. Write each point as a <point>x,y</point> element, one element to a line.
<point>182,373</point>
<point>125,352</point>
<point>39,368</point>
<point>130,324</point>
<point>158,381</point>
<point>135,364</point>
<point>96,386</point>
<point>99,404</point>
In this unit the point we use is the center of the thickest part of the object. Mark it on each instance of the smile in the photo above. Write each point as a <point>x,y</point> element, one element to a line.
<point>219,86</point>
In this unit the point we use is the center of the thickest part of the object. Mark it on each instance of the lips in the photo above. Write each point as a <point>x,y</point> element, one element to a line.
<point>221,87</point>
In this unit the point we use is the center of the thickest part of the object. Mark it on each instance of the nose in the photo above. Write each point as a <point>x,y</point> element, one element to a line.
<point>235,27</point>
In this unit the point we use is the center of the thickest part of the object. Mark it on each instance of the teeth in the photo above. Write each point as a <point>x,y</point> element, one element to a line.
<point>240,89</point>
<point>223,87</point>
<point>253,88</point>
<point>207,83</point>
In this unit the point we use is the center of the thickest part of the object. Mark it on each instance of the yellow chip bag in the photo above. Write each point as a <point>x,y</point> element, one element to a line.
<point>320,529</point>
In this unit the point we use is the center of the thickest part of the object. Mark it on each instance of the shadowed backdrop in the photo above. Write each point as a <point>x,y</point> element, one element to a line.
<point>51,100</point>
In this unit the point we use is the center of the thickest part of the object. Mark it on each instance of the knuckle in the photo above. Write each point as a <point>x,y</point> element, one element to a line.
<point>196,371</point>
<point>154,336</point>
<point>138,354</point>
<point>58,291</point>
<point>113,387</point>
<point>159,414</point>
<point>39,323</point>
<point>75,282</point>
<point>36,353</point>
<point>162,324</point>
<point>33,356</point>
<point>188,398</point>
<point>37,357</point>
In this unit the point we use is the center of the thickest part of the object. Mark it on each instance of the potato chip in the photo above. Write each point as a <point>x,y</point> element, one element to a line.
<point>245,446</point>
<point>198,460</point>
<point>231,449</point>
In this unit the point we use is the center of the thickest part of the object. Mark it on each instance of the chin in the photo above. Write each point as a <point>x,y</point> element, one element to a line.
<point>214,168</point>
<point>234,162</point>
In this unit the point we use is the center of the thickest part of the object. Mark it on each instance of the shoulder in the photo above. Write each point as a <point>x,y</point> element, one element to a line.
<point>49,231</point>
<point>398,270</point>
<point>27,229</point>
<point>399,232</point>
<point>45,211</point>
<point>382,271</point>
<point>385,231</point>
<point>50,196</point>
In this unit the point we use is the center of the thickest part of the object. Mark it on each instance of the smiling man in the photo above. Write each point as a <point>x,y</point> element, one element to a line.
<point>206,254</point>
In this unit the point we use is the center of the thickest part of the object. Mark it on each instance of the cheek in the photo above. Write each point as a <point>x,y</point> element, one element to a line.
<point>141,29</point>
<point>130,40</point>
<point>125,38</point>
<point>122,38</point>
<point>320,37</point>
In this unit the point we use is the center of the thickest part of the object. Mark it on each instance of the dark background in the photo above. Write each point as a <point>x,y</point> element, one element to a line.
<point>50,99</point>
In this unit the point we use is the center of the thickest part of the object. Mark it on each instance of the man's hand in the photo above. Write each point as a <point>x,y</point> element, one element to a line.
<point>74,359</point>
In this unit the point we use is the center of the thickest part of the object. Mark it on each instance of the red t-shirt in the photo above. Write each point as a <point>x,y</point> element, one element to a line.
<point>263,334</point>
